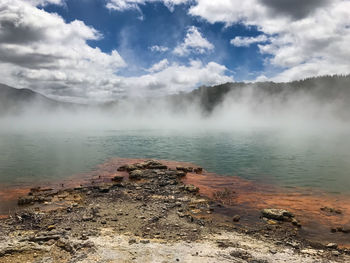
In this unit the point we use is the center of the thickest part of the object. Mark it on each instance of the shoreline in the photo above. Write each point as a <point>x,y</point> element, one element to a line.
<point>159,205</point>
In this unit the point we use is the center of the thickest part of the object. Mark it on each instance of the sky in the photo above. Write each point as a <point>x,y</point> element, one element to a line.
<point>102,50</point>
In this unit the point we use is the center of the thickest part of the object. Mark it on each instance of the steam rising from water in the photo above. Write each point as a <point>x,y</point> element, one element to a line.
<point>245,108</point>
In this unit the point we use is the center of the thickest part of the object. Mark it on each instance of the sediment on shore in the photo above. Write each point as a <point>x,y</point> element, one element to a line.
<point>146,211</point>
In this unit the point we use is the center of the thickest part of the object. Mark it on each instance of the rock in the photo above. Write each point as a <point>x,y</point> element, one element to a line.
<point>293,244</point>
<point>135,174</point>
<point>296,222</point>
<point>331,210</point>
<point>158,166</point>
<point>51,227</point>
<point>130,167</point>
<point>64,245</point>
<point>87,218</point>
<point>241,254</point>
<point>184,169</point>
<point>198,170</point>
<point>118,178</point>
<point>104,189</point>
<point>332,245</point>
<point>180,173</point>
<point>132,241</point>
<point>191,188</point>
<point>26,200</point>
<point>277,214</point>
<point>122,168</point>
<point>236,218</point>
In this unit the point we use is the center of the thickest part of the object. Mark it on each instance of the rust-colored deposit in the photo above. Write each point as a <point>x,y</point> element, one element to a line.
<point>239,196</point>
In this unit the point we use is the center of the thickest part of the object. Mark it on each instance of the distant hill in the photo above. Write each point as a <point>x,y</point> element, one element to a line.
<point>14,101</point>
<point>327,89</point>
<point>323,90</point>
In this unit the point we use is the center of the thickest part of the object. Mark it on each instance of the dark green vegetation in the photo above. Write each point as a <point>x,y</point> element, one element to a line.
<point>325,91</point>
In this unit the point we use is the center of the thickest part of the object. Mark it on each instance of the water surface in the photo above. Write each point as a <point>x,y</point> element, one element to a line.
<point>307,160</point>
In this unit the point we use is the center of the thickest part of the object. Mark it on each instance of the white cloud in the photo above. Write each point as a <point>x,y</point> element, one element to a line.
<point>247,41</point>
<point>45,2</point>
<point>176,78</point>
<point>39,50</point>
<point>309,37</point>
<point>193,42</point>
<point>122,5</point>
<point>159,66</point>
<point>157,48</point>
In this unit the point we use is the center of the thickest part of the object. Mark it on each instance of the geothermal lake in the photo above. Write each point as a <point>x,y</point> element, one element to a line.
<point>308,160</point>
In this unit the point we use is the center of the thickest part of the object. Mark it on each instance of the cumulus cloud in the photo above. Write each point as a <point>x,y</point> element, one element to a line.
<point>176,78</point>
<point>309,37</point>
<point>194,42</point>
<point>160,49</point>
<point>39,50</point>
<point>42,51</point>
<point>295,8</point>
<point>247,41</point>
<point>159,66</point>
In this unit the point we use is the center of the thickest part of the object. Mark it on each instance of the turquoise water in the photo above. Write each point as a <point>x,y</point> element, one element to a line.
<point>319,161</point>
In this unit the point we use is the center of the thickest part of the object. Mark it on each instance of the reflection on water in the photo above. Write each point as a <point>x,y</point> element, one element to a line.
<point>290,160</point>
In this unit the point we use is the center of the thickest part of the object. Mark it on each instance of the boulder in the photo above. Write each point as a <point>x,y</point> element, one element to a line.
<point>277,214</point>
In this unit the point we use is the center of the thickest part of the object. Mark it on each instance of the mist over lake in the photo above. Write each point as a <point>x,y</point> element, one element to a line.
<point>174,131</point>
<point>302,160</point>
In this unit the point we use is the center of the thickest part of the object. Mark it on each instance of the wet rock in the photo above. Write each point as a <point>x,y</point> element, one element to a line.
<point>135,174</point>
<point>236,218</point>
<point>118,178</point>
<point>130,167</point>
<point>180,174</point>
<point>184,169</point>
<point>198,170</point>
<point>295,222</point>
<point>331,210</point>
<point>158,166</point>
<point>122,168</point>
<point>26,200</point>
<point>277,214</point>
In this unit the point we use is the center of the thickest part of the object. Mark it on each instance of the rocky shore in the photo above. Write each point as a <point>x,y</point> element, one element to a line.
<point>145,213</point>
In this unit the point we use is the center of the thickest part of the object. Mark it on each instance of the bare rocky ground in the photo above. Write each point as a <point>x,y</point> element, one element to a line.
<point>148,215</point>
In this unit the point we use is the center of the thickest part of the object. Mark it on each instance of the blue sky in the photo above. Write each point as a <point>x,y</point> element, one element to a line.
<point>132,33</point>
<point>100,50</point>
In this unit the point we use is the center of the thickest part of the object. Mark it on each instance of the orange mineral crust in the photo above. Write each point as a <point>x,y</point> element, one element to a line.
<point>317,212</point>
